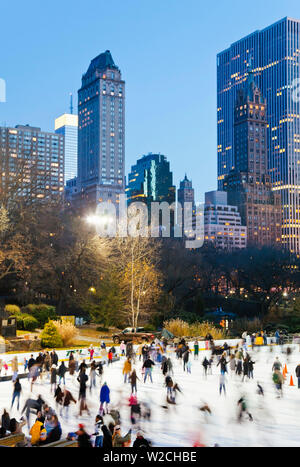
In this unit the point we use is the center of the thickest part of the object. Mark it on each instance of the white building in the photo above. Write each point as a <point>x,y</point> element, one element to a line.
<point>222,223</point>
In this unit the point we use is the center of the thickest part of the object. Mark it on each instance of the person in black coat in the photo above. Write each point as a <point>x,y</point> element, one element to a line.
<point>32,404</point>
<point>140,441</point>
<point>5,421</point>
<point>83,438</point>
<point>31,362</point>
<point>297,371</point>
<point>250,368</point>
<point>54,358</point>
<point>107,437</point>
<point>223,364</point>
<point>245,368</point>
<point>82,379</point>
<point>61,372</point>
<point>82,366</point>
<point>16,393</point>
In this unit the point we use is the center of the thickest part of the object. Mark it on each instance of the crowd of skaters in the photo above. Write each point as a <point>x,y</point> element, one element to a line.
<point>234,362</point>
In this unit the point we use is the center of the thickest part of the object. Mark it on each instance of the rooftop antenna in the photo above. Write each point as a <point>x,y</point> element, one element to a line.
<point>71,103</point>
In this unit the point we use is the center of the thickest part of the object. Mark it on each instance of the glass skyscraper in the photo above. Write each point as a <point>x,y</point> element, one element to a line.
<point>67,125</point>
<point>151,180</point>
<point>274,56</point>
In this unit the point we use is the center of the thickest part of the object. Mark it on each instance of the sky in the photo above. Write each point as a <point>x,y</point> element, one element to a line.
<point>166,50</point>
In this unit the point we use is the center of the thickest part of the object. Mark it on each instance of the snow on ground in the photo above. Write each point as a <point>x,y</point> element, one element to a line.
<point>276,421</point>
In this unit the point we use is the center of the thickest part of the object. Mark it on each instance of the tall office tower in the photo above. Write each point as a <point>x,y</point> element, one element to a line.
<point>67,125</point>
<point>151,180</point>
<point>101,132</point>
<point>248,185</point>
<point>185,194</point>
<point>222,223</point>
<point>274,54</point>
<point>33,160</point>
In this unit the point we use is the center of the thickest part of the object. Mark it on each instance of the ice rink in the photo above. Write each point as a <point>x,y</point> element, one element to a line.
<point>275,421</point>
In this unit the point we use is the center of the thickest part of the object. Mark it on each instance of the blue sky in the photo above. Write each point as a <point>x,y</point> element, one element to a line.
<point>166,50</point>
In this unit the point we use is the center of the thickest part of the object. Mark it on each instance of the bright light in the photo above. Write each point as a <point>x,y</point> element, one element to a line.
<point>92,289</point>
<point>98,220</point>
<point>285,294</point>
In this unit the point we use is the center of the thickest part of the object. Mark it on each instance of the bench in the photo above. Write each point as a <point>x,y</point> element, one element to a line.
<point>12,440</point>
<point>61,443</point>
<point>68,444</point>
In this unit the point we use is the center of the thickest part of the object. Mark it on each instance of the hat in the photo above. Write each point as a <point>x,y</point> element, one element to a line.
<point>81,426</point>
<point>140,434</point>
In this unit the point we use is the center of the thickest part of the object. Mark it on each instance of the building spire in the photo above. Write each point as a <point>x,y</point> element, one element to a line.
<point>71,103</point>
<point>250,84</point>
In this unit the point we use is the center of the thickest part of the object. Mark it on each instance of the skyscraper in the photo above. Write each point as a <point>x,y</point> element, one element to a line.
<point>101,132</point>
<point>33,160</point>
<point>275,57</point>
<point>222,222</point>
<point>67,125</point>
<point>151,180</point>
<point>186,194</point>
<point>248,185</point>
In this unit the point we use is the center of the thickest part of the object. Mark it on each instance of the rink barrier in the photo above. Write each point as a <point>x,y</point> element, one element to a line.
<point>12,440</point>
<point>230,342</point>
<point>25,375</point>
<point>62,443</point>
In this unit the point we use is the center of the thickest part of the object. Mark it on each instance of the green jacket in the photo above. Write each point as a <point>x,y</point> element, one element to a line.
<point>119,440</point>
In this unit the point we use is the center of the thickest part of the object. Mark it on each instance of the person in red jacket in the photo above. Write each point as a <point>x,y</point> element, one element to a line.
<point>110,357</point>
<point>91,351</point>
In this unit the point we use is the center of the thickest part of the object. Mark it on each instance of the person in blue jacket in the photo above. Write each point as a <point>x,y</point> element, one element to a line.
<point>104,398</point>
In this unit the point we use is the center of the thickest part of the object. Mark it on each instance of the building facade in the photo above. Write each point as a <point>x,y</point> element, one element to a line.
<point>275,56</point>
<point>186,194</point>
<point>67,125</point>
<point>33,159</point>
<point>222,223</point>
<point>151,180</point>
<point>249,185</point>
<point>101,132</point>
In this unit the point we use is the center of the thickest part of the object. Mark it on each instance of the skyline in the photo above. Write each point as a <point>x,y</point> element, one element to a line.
<point>159,116</point>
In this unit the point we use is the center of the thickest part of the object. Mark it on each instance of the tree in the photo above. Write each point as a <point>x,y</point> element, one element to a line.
<point>136,259</point>
<point>13,246</point>
<point>50,336</point>
<point>66,259</point>
<point>105,302</point>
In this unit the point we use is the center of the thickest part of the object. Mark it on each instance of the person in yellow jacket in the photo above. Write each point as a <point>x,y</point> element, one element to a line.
<point>259,340</point>
<point>38,432</point>
<point>127,369</point>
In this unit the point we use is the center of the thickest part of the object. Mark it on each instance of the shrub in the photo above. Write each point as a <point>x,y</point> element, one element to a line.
<point>41,312</point>
<point>182,329</point>
<point>177,327</point>
<point>50,336</point>
<point>19,319</point>
<point>67,331</point>
<point>12,309</point>
<point>29,323</point>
